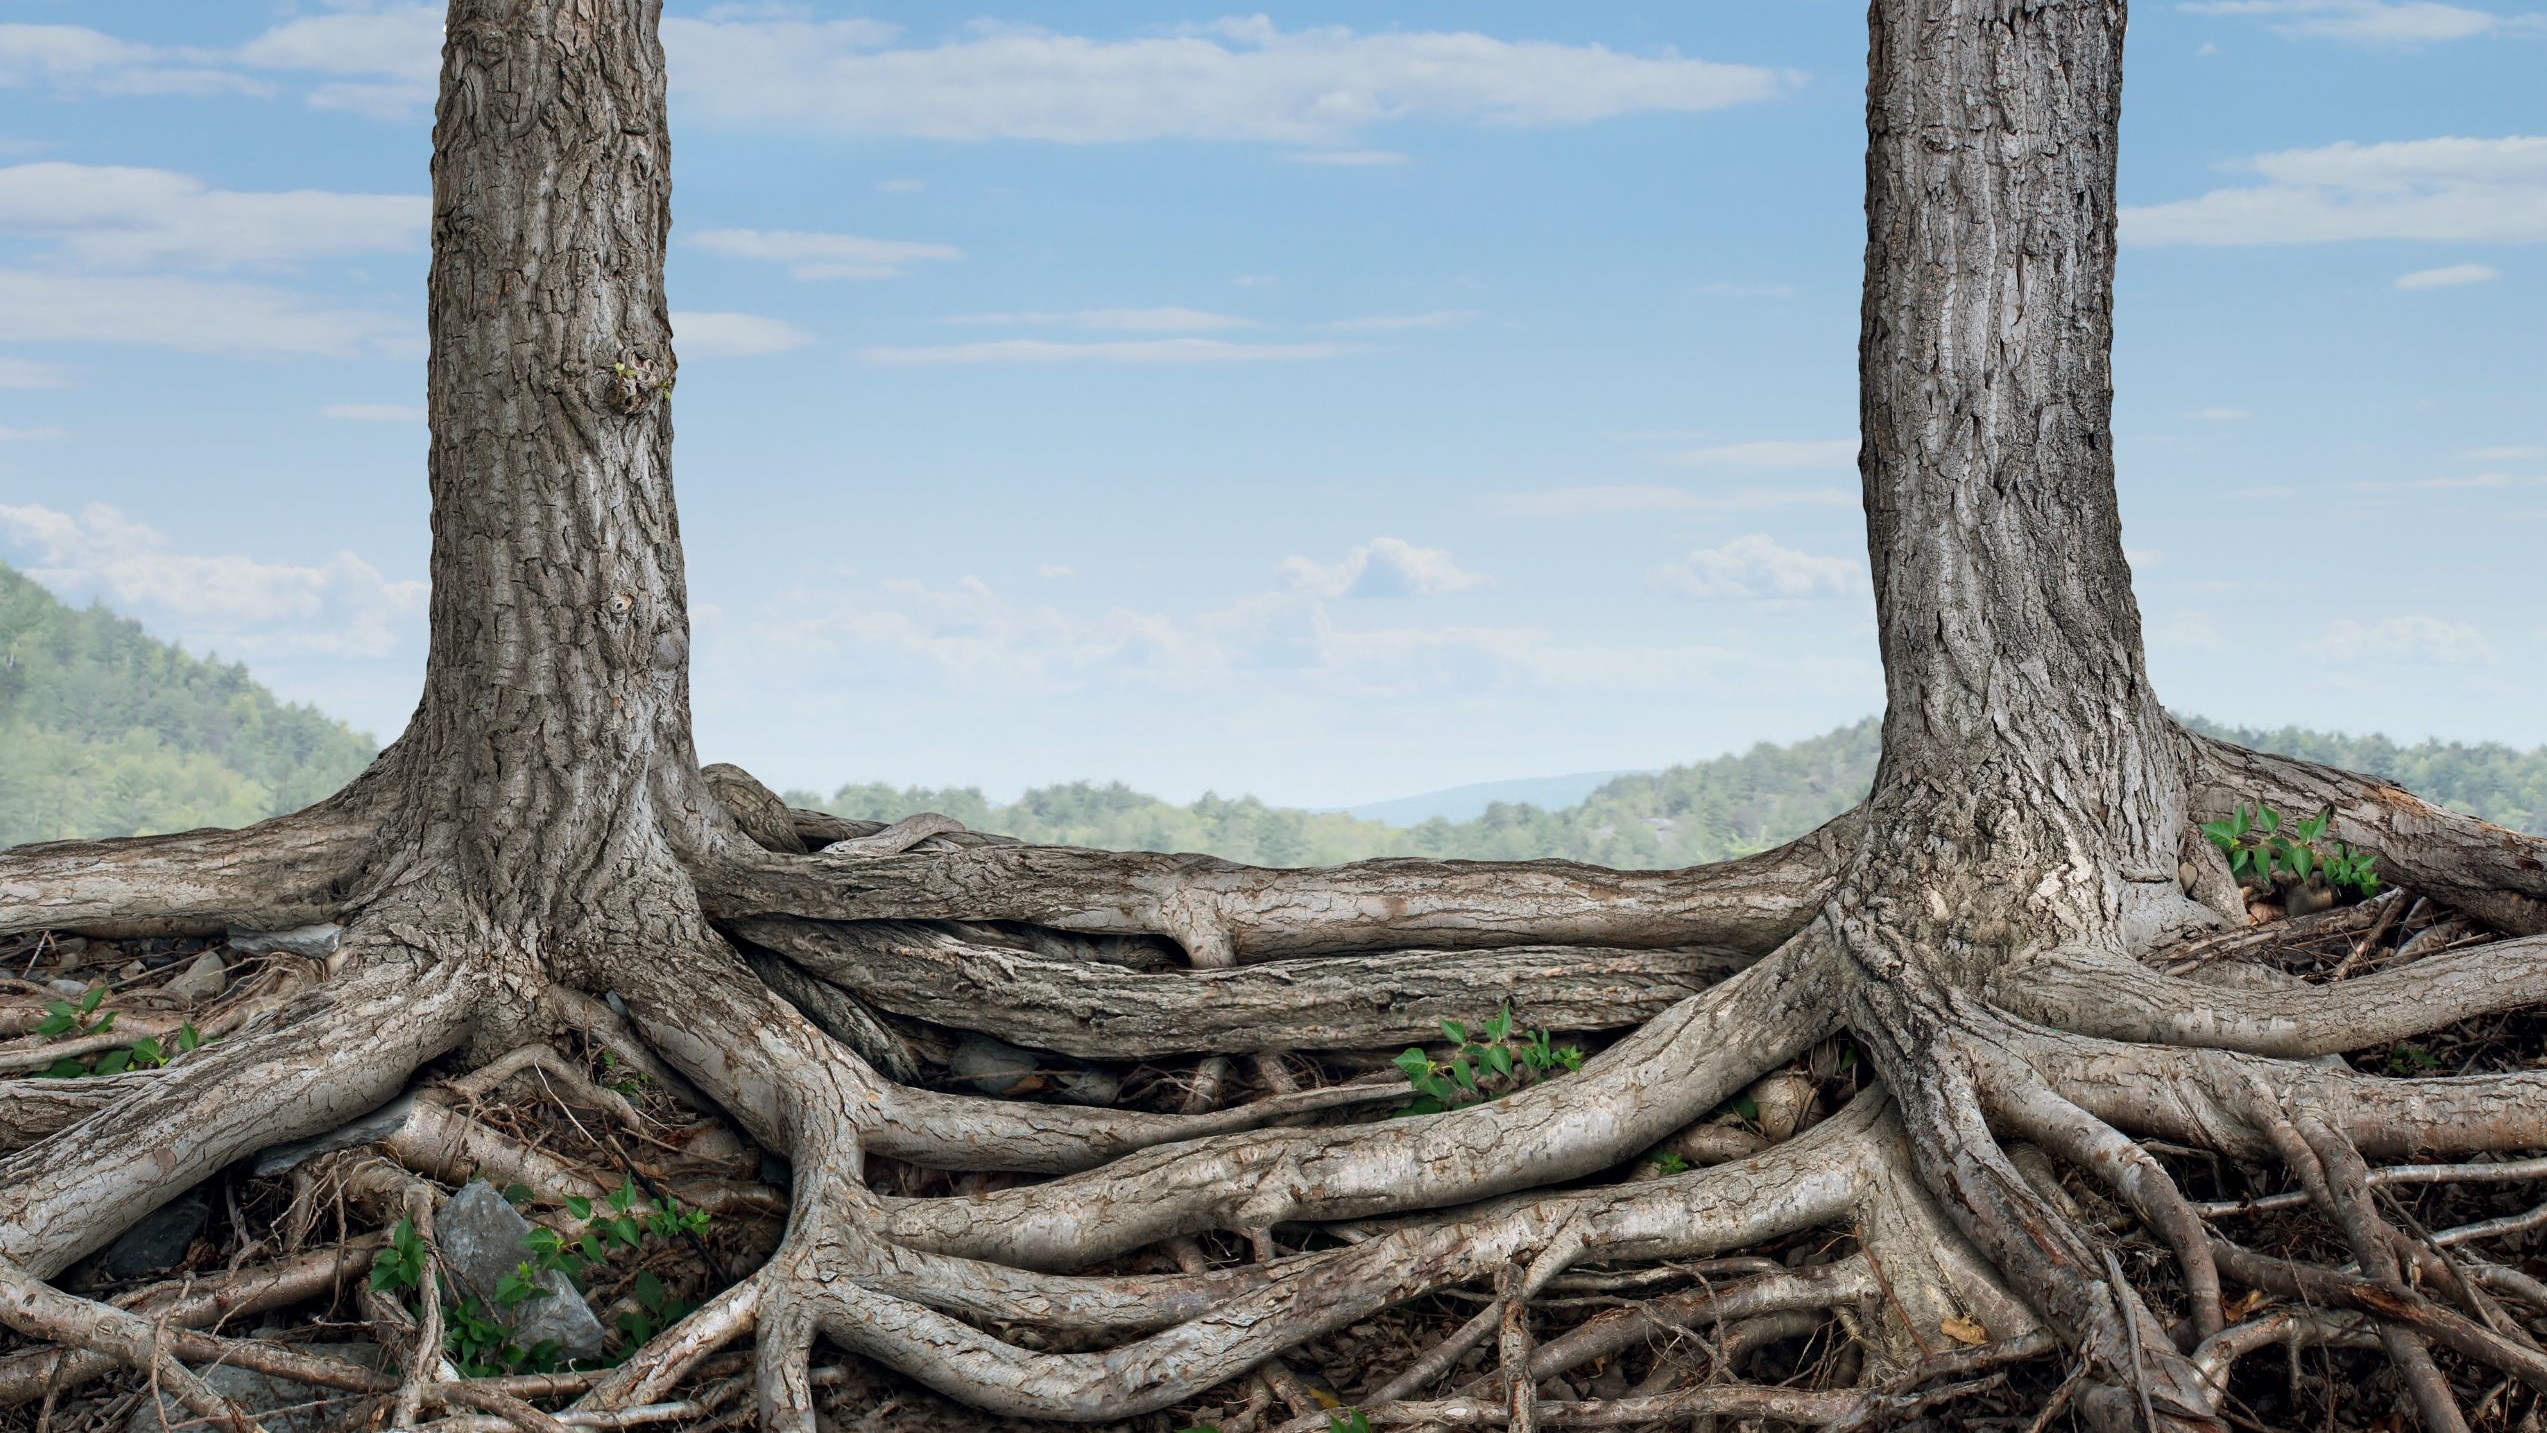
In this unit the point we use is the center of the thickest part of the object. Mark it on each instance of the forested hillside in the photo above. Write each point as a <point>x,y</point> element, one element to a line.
<point>107,732</point>
<point>1704,811</point>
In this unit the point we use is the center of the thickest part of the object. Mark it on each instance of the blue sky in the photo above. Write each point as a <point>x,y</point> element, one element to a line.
<point>1329,403</point>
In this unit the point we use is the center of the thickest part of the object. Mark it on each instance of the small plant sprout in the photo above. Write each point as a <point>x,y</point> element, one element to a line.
<point>2262,848</point>
<point>1488,1064</point>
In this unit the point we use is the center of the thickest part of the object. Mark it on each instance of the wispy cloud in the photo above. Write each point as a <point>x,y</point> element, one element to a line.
<point>1349,158</point>
<point>238,605</point>
<point>1134,351</point>
<point>1244,80</point>
<point>733,335</point>
<point>2403,639</point>
<point>31,373</point>
<point>77,60</point>
<point>32,435</point>
<point>1756,567</point>
<point>2450,277</point>
<point>2512,453</point>
<point>192,315</point>
<point>1382,567</point>
<point>824,256</point>
<point>1614,500</point>
<point>2376,22</point>
<point>1118,320</point>
<point>2450,189</point>
<point>111,216</point>
<point>1774,453</point>
<point>1402,322</point>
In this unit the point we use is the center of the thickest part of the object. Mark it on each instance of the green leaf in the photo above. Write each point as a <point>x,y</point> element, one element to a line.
<point>2219,833</point>
<point>1455,1032</point>
<point>1499,1059</point>
<point>624,1229</point>
<point>146,1052</point>
<point>624,1195</point>
<point>1461,1071</point>
<point>104,1023</point>
<point>579,1206</point>
<point>114,1062</point>
<point>66,1069</point>
<point>2268,818</point>
<point>1414,1063</point>
<point>1748,1108</point>
<point>650,1291</point>
<point>2303,859</point>
<point>89,1001</point>
<point>518,1194</point>
<point>59,1024</point>
<point>1501,1025</point>
<point>2238,824</point>
<point>189,1039</point>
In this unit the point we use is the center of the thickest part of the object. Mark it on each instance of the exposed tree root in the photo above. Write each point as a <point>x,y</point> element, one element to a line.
<point>2077,1049</point>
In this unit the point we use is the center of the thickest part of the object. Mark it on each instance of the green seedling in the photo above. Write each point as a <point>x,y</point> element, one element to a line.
<point>75,1019</point>
<point>1485,1065</point>
<point>2262,847</point>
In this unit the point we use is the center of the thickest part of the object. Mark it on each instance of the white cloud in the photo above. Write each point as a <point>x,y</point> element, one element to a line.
<point>1350,158</point>
<point>2450,277</point>
<point>2189,628</point>
<point>733,335</point>
<point>1117,320</point>
<point>392,52</point>
<point>1399,323</point>
<point>194,315</point>
<point>31,435</point>
<point>1232,80</point>
<point>237,605</point>
<point>2449,190</point>
<point>2140,557</point>
<point>1056,570</point>
<point>824,256</point>
<point>1775,453</point>
<point>1255,281</point>
<point>2220,415</point>
<point>1757,566</point>
<point>2511,454</point>
<point>115,216</point>
<point>375,412</point>
<point>1600,501</point>
<point>1144,350</point>
<point>30,373</point>
<point>1382,567</point>
<point>2374,22</point>
<point>77,60</point>
<point>2403,639</point>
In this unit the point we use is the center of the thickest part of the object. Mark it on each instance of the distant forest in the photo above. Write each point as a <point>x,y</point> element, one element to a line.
<point>1705,811</point>
<point>107,732</point>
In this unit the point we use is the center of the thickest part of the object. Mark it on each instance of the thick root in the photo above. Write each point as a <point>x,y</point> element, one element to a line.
<point>1100,1011</point>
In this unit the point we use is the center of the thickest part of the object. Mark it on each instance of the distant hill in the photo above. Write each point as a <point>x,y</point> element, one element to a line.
<point>105,731</point>
<point>1705,811</point>
<point>1467,803</point>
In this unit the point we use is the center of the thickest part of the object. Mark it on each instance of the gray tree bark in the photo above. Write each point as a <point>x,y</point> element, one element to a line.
<point>543,836</point>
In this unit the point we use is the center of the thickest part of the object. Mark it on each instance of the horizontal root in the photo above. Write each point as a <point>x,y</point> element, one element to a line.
<point>1226,914</point>
<point>1677,1067</point>
<point>2120,1000</point>
<point>1098,1011</point>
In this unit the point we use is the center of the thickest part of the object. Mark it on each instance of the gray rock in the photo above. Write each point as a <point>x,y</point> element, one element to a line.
<point>315,941</point>
<point>996,1067</point>
<point>280,1404</point>
<point>380,1124</point>
<point>201,981</point>
<point>159,1240</point>
<point>67,989</point>
<point>483,1239</point>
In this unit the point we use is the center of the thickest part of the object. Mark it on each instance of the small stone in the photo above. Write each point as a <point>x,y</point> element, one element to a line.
<point>716,1148</point>
<point>201,981</point>
<point>483,1239</point>
<point>314,941</point>
<point>280,1404</point>
<point>380,1124</point>
<point>68,989</point>
<point>1782,1099</point>
<point>159,1241</point>
<point>2307,900</point>
<point>1090,1086</point>
<point>2188,875</point>
<point>995,1067</point>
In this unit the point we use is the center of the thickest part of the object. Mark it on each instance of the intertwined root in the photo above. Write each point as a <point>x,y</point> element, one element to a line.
<point>1954,1224</point>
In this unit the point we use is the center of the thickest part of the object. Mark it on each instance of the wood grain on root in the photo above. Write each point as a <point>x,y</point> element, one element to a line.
<point>1104,1012</point>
